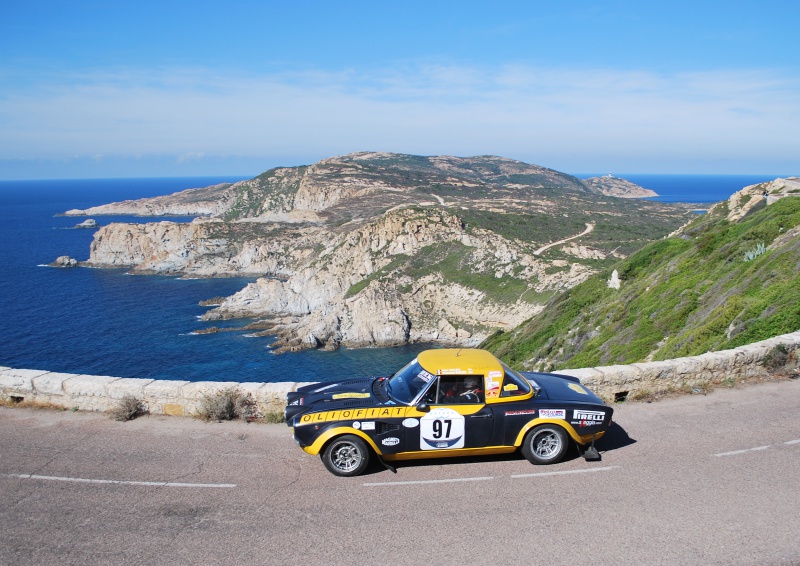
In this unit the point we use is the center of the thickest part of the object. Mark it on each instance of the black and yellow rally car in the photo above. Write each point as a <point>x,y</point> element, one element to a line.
<point>448,402</point>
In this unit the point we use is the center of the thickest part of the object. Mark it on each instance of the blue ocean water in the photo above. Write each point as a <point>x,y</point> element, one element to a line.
<point>105,322</point>
<point>692,188</point>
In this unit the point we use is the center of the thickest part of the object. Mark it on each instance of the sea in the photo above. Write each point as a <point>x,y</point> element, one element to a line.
<point>108,322</point>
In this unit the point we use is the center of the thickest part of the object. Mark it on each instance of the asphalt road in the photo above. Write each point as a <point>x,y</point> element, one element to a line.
<point>697,480</point>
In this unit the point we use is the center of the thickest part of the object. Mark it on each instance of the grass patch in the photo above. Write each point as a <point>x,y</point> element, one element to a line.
<point>22,403</point>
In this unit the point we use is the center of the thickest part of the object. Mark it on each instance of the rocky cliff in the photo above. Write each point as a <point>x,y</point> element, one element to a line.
<point>382,249</point>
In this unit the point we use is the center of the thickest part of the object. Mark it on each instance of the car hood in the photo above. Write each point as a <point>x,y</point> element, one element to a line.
<point>332,396</point>
<point>562,388</point>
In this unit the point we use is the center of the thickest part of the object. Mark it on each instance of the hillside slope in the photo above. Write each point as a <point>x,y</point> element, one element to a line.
<point>728,278</point>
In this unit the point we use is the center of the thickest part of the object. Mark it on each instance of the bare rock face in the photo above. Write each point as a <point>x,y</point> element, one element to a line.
<point>197,249</point>
<point>64,261</point>
<point>741,203</point>
<point>381,249</point>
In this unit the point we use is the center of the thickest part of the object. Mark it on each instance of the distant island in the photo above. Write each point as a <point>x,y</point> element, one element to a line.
<point>379,249</point>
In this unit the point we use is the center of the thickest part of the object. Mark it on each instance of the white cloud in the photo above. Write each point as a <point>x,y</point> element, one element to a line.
<point>546,116</point>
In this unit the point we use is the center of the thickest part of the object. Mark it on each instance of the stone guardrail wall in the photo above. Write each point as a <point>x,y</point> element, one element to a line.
<point>184,398</point>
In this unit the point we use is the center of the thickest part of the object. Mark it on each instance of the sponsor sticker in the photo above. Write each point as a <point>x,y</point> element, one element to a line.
<point>553,413</point>
<point>586,423</point>
<point>425,376</point>
<point>391,441</point>
<point>410,423</point>
<point>368,425</point>
<point>351,414</point>
<point>453,371</point>
<point>350,396</point>
<point>356,425</point>
<point>492,385</point>
<point>521,412</point>
<point>580,415</point>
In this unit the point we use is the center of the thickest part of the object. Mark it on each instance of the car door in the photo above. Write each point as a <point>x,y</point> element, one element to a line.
<point>455,420</point>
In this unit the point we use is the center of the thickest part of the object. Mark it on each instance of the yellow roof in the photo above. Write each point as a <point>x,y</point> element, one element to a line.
<point>459,361</point>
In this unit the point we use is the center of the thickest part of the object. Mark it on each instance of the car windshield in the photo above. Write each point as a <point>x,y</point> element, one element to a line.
<point>405,385</point>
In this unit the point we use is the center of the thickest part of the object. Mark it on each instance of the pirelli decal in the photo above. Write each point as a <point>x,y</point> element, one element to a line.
<point>349,414</point>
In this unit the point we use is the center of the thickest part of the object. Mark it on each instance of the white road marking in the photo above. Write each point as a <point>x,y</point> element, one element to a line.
<point>121,482</point>
<point>564,473</point>
<point>793,441</point>
<point>735,452</point>
<point>418,482</point>
<point>539,474</point>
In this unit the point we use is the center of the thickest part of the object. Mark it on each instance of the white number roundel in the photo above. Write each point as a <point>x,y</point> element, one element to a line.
<point>442,428</point>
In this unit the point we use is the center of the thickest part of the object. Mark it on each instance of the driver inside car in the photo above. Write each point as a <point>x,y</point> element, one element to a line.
<point>466,391</point>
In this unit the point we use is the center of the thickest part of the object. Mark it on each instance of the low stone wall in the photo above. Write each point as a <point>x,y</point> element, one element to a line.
<point>184,398</point>
<point>101,393</point>
<point>725,366</point>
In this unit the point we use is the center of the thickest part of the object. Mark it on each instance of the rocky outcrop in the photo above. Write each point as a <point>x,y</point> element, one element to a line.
<point>751,198</point>
<point>322,304</point>
<point>616,187</point>
<point>64,261</point>
<point>202,248</point>
<point>207,201</point>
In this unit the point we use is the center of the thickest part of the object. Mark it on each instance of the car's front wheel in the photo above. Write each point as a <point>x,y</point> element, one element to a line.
<point>545,444</point>
<point>346,456</point>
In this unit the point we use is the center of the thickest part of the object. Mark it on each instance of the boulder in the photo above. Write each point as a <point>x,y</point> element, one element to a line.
<point>64,261</point>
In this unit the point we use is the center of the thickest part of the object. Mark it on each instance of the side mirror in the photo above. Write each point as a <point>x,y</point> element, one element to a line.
<point>423,407</point>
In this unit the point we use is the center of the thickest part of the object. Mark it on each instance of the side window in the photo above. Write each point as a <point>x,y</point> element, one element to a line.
<point>432,393</point>
<point>459,389</point>
<point>513,384</point>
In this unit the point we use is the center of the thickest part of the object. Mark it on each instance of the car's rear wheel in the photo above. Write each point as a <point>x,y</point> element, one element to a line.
<point>346,456</point>
<point>545,444</point>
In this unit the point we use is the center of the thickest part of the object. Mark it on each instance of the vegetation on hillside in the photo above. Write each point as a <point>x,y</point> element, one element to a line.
<point>717,285</point>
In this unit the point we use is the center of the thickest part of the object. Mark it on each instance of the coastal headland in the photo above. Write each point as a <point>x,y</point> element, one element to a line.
<point>382,249</point>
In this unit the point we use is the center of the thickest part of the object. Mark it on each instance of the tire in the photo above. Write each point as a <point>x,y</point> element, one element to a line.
<point>346,456</point>
<point>545,444</point>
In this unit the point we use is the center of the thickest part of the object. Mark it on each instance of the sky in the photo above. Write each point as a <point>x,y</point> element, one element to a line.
<point>103,89</point>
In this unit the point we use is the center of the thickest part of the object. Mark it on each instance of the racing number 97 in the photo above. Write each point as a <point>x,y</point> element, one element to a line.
<point>439,428</point>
